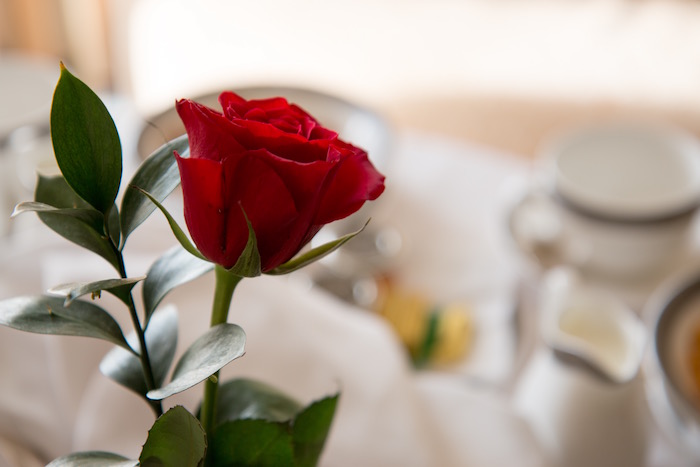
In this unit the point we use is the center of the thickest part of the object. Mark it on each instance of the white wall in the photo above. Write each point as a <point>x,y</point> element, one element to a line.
<point>446,65</point>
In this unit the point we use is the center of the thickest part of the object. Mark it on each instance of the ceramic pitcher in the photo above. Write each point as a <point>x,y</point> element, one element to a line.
<point>581,391</point>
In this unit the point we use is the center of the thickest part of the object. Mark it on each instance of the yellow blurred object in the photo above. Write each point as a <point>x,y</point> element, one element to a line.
<point>454,335</point>
<point>405,311</point>
<point>433,335</point>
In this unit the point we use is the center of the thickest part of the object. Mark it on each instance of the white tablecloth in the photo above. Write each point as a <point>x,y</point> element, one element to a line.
<point>449,202</point>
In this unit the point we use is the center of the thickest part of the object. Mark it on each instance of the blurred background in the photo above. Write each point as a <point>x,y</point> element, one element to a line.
<point>500,73</point>
<point>467,84</point>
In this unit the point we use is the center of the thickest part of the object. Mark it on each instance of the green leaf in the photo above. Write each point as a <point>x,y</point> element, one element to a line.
<point>86,142</point>
<point>48,315</point>
<point>120,288</point>
<point>91,217</point>
<point>81,234</point>
<point>430,338</point>
<point>248,264</point>
<point>159,176</point>
<point>314,254</point>
<point>93,459</point>
<point>251,442</point>
<point>73,219</point>
<point>310,430</point>
<point>179,233</point>
<point>113,228</point>
<point>161,339</point>
<point>246,398</point>
<point>56,192</point>
<point>212,351</point>
<point>174,268</point>
<point>175,440</point>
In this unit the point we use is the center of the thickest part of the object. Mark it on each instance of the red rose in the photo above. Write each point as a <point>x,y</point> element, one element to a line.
<point>288,173</point>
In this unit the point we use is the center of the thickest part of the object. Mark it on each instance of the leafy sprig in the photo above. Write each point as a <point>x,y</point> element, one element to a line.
<point>252,424</point>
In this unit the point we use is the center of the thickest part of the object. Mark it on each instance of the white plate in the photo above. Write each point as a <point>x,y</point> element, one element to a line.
<point>357,125</point>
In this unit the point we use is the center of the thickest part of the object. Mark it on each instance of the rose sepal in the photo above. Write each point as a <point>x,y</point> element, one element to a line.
<point>248,263</point>
<point>159,176</point>
<point>314,254</point>
<point>177,230</point>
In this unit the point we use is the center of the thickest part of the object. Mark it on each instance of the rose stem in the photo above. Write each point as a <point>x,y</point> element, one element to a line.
<point>225,285</point>
<point>143,354</point>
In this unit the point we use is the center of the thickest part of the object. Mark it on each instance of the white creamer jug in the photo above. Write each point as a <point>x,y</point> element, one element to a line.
<point>581,391</point>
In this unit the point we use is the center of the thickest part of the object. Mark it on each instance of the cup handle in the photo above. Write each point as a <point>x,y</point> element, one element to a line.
<point>537,227</point>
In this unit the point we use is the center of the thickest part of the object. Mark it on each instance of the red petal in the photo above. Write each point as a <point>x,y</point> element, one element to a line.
<point>257,135</point>
<point>304,180</point>
<point>268,204</point>
<point>202,192</point>
<point>275,125</point>
<point>210,134</point>
<point>355,181</point>
<point>233,105</point>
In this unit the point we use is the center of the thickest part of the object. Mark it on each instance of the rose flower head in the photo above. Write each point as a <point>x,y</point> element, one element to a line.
<point>272,162</point>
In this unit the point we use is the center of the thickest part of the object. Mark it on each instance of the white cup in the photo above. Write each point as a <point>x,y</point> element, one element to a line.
<point>619,198</point>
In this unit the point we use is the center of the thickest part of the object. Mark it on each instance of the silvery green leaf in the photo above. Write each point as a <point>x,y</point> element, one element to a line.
<point>120,288</point>
<point>174,268</point>
<point>89,216</point>
<point>161,338</point>
<point>175,440</point>
<point>314,254</point>
<point>93,459</point>
<point>159,176</point>
<point>86,142</point>
<point>113,228</point>
<point>212,351</point>
<point>48,315</point>
<point>81,234</point>
<point>72,218</point>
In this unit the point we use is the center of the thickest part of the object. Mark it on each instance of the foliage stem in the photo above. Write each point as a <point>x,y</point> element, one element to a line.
<point>143,354</point>
<point>223,293</point>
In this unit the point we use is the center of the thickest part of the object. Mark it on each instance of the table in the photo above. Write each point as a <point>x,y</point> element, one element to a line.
<point>449,199</point>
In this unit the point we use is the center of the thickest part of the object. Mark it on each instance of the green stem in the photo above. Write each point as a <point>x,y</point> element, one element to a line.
<point>143,354</point>
<point>225,285</point>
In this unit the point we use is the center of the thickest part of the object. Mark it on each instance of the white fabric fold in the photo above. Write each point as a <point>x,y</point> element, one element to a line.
<point>444,198</point>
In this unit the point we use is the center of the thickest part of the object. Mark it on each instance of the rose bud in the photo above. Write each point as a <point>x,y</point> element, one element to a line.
<point>274,163</point>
